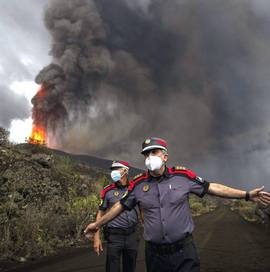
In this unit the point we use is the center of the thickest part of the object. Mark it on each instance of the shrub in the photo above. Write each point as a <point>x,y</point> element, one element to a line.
<point>83,210</point>
<point>64,164</point>
<point>200,206</point>
<point>4,136</point>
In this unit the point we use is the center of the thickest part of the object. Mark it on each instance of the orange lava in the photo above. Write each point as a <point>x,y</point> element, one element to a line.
<point>38,136</point>
<point>41,91</point>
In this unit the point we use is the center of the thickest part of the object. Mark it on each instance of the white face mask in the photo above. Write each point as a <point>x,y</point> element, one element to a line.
<point>153,163</point>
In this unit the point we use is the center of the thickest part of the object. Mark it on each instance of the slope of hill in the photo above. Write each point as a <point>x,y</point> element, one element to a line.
<point>46,200</point>
<point>94,161</point>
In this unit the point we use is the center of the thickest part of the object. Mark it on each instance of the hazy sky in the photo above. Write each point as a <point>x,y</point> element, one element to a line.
<point>24,45</point>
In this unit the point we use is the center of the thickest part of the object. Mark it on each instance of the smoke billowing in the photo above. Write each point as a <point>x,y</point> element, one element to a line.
<point>193,72</point>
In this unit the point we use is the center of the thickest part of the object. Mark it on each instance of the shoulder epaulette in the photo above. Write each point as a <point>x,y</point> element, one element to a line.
<point>179,167</point>
<point>138,178</point>
<point>181,170</point>
<point>106,189</point>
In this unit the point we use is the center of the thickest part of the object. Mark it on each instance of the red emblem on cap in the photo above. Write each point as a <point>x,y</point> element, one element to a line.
<point>162,142</point>
<point>119,164</point>
<point>124,163</point>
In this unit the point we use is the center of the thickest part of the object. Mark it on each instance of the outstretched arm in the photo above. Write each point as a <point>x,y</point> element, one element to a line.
<point>116,209</point>
<point>256,195</point>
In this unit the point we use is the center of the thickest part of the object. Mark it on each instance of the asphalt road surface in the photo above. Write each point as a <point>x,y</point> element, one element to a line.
<point>226,243</point>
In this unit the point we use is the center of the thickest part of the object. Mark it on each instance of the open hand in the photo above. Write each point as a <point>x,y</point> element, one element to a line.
<point>98,246</point>
<point>260,196</point>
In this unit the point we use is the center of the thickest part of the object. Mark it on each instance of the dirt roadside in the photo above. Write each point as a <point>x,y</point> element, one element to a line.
<point>225,242</point>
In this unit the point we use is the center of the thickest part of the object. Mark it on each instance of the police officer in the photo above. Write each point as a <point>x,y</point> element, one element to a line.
<point>120,233</point>
<point>163,193</point>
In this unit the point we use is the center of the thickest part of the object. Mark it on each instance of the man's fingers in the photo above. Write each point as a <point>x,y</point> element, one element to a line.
<point>87,229</point>
<point>264,194</point>
<point>91,228</point>
<point>96,248</point>
<point>264,202</point>
<point>265,197</point>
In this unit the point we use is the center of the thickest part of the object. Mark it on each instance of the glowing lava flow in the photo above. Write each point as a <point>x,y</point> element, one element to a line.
<point>38,136</point>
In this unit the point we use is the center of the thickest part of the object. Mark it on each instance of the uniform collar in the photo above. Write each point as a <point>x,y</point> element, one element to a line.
<point>160,178</point>
<point>120,186</point>
<point>166,173</point>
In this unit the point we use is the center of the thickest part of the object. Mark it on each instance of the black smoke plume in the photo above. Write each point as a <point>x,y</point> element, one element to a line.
<point>193,72</point>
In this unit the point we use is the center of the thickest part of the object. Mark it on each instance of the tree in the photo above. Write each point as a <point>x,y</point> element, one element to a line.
<point>4,136</point>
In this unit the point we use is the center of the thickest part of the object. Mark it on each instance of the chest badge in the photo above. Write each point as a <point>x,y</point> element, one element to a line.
<point>124,194</point>
<point>146,188</point>
<point>116,193</point>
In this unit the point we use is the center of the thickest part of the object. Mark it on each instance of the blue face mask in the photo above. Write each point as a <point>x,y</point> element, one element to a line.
<point>116,175</point>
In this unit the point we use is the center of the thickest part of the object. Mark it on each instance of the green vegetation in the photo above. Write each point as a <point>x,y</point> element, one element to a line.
<point>245,209</point>
<point>46,201</point>
<point>4,136</point>
<point>82,210</point>
<point>201,206</point>
<point>64,164</point>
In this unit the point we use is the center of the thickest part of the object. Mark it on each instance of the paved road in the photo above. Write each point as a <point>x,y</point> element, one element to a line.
<point>226,243</point>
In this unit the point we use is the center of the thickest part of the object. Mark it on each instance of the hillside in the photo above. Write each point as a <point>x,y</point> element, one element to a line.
<point>46,200</point>
<point>93,161</point>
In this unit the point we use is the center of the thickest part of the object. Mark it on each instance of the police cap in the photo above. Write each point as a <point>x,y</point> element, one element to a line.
<point>119,164</point>
<point>153,143</point>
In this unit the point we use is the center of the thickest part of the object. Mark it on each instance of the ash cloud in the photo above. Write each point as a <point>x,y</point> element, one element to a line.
<point>193,72</point>
<point>10,101</point>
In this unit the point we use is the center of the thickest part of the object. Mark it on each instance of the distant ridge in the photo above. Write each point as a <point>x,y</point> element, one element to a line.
<point>94,161</point>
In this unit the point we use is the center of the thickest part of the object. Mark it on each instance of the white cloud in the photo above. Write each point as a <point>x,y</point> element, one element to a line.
<point>1,69</point>
<point>20,130</point>
<point>26,88</point>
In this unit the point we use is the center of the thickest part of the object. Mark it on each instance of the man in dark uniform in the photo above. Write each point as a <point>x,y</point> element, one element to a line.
<point>163,193</point>
<point>120,233</point>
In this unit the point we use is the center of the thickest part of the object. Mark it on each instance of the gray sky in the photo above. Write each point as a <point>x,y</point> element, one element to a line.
<point>24,46</point>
